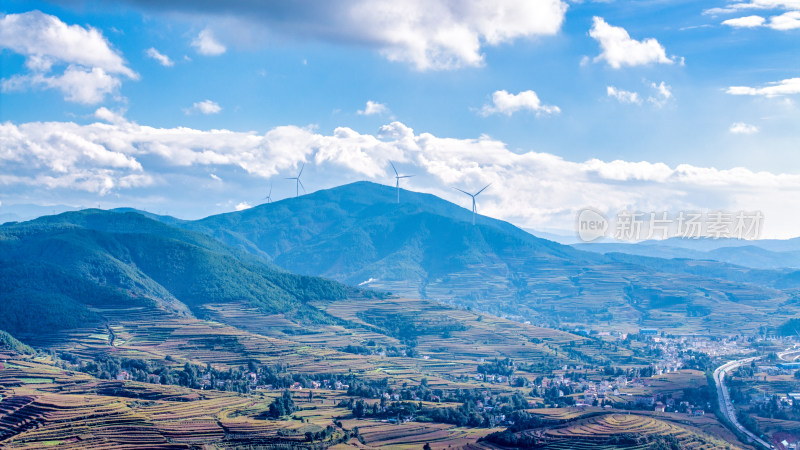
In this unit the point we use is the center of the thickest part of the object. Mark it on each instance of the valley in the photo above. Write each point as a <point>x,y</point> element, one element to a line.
<point>144,331</point>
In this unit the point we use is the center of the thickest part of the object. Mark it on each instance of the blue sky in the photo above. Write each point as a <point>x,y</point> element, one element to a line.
<point>647,105</point>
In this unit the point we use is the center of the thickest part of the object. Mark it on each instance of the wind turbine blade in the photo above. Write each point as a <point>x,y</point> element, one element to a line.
<point>393,168</point>
<point>405,176</point>
<point>301,185</point>
<point>291,178</point>
<point>301,170</point>
<point>484,188</point>
<point>463,191</point>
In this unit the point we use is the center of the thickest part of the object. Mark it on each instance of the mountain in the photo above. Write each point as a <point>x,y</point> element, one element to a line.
<point>426,247</point>
<point>753,254</point>
<point>77,269</point>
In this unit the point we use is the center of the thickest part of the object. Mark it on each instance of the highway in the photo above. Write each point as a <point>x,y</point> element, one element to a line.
<point>725,404</point>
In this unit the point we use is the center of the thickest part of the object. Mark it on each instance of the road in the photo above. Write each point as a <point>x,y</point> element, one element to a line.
<point>790,355</point>
<point>725,404</point>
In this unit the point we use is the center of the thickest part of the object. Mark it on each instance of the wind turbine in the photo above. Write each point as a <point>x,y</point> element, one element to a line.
<point>268,198</point>
<point>299,183</point>
<point>397,177</point>
<point>474,208</point>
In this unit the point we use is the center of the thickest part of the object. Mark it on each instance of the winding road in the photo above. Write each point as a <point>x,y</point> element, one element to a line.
<point>725,404</point>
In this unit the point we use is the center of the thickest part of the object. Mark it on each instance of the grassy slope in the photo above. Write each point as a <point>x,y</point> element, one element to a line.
<point>57,272</point>
<point>427,247</point>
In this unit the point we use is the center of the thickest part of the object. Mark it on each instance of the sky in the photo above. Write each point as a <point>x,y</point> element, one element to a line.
<point>196,107</point>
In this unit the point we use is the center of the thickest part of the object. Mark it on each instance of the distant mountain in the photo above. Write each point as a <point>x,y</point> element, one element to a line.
<point>76,269</point>
<point>753,254</point>
<point>427,247</point>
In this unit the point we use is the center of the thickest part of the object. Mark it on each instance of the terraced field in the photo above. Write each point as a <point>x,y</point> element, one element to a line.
<point>604,428</point>
<point>76,411</point>
<point>43,406</point>
<point>413,435</point>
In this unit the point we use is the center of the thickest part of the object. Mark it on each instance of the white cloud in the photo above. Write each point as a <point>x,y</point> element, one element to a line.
<point>107,115</point>
<point>745,22</point>
<point>786,21</point>
<point>162,59</point>
<point>438,34</point>
<point>91,68</point>
<point>506,103</point>
<point>47,157</point>
<point>426,34</point>
<point>206,44</point>
<point>623,96</point>
<point>660,96</point>
<point>755,4</point>
<point>204,107</point>
<point>743,128</point>
<point>663,93</point>
<point>619,49</point>
<point>373,108</point>
<point>789,20</point>
<point>80,85</point>
<point>789,86</point>
<point>242,206</point>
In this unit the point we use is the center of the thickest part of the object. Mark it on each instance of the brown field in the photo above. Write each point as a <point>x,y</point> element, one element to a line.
<point>603,427</point>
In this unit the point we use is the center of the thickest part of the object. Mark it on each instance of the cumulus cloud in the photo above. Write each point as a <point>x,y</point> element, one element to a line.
<point>789,20</point>
<point>755,4</point>
<point>660,94</point>
<point>623,96</point>
<point>206,44</point>
<point>618,49</point>
<point>373,108</point>
<point>743,128</point>
<point>427,34</point>
<point>204,107</point>
<point>124,156</point>
<point>75,60</point>
<point>506,103</point>
<point>789,86</point>
<point>242,206</point>
<point>161,58</point>
<point>745,22</point>
<point>786,21</point>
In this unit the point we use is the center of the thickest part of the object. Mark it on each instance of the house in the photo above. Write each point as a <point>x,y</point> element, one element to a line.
<point>698,412</point>
<point>660,407</point>
<point>647,400</point>
<point>123,376</point>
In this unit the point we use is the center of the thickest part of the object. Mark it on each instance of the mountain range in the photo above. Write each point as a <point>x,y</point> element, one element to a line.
<point>79,267</point>
<point>426,247</point>
<point>760,254</point>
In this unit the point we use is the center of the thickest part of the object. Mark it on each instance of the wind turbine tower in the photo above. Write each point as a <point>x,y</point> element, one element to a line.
<point>474,208</point>
<point>397,177</point>
<point>268,198</point>
<point>299,183</point>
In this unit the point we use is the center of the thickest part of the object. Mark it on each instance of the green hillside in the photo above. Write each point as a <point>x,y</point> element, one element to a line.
<point>9,342</point>
<point>72,270</point>
<point>427,247</point>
